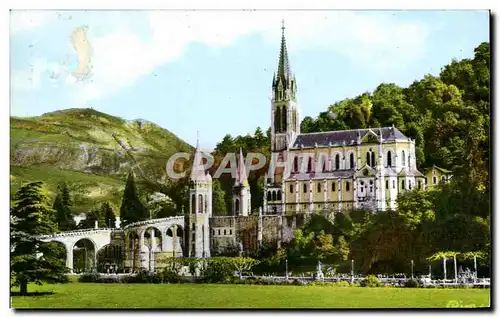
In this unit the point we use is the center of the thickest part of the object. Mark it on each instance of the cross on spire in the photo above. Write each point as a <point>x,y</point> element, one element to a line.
<point>283,26</point>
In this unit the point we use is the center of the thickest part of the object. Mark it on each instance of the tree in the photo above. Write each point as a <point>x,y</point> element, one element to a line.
<point>218,199</point>
<point>33,260</point>
<point>323,246</point>
<point>243,264</point>
<point>132,209</point>
<point>91,217</point>
<point>62,205</point>
<point>444,256</point>
<point>160,206</point>
<point>107,215</point>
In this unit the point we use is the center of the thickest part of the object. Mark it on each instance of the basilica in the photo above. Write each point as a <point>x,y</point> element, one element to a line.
<point>327,172</point>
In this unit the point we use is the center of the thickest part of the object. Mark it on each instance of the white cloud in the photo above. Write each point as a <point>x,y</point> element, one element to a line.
<point>378,41</point>
<point>24,20</point>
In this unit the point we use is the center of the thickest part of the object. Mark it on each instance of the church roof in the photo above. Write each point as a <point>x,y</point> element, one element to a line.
<point>344,137</point>
<point>321,176</point>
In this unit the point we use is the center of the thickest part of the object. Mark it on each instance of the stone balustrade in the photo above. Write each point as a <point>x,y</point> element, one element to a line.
<point>153,221</point>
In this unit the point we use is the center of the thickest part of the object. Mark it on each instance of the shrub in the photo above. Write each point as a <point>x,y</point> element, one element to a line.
<point>370,281</point>
<point>170,276</point>
<point>218,270</point>
<point>298,282</point>
<point>411,283</point>
<point>109,279</point>
<point>89,278</point>
<point>342,283</point>
<point>144,277</point>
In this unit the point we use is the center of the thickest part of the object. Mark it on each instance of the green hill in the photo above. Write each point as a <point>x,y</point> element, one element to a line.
<point>90,150</point>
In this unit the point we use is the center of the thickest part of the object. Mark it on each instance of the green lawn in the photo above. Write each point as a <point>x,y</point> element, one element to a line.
<point>88,295</point>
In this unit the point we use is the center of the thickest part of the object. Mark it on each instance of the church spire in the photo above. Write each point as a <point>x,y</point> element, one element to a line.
<point>241,176</point>
<point>198,170</point>
<point>284,71</point>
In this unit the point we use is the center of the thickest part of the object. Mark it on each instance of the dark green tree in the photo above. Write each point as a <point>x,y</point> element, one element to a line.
<point>107,215</point>
<point>132,209</point>
<point>93,215</point>
<point>218,199</point>
<point>62,206</point>
<point>32,260</point>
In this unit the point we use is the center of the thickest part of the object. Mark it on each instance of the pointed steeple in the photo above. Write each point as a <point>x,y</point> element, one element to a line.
<point>198,171</point>
<point>284,70</point>
<point>241,175</point>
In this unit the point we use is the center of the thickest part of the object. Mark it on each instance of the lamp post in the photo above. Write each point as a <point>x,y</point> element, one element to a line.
<point>475,268</point>
<point>411,269</point>
<point>286,269</point>
<point>352,271</point>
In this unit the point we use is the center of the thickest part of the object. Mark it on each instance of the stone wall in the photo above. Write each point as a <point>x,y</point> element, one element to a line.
<point>226,232</point>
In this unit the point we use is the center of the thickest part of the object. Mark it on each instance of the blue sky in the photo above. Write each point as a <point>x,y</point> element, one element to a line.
<point>212,70</point>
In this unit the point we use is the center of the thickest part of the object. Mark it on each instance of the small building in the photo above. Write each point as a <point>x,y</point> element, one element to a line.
<point>436,175</point>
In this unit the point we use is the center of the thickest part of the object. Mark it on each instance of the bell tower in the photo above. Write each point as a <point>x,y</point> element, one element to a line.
<point>200,208</point>
<point>285,119</point>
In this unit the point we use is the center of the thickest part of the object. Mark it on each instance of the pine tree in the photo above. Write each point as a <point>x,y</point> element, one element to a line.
<point>218,199</point>
<point>132,209</point>
<point>90,218</point>
<point>31,259</point>
<point>107,215</point>
<point>62,205</point>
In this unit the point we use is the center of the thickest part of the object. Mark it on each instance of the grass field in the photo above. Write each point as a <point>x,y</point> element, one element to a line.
<point>88,295</point>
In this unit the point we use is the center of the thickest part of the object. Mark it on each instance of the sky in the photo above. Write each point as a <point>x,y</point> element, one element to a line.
<point>211,71</point>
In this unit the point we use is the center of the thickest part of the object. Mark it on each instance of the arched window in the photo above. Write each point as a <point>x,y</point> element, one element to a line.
<point>443,179</point>
<point>206,204</point>
<point>277,119</point>
<point>409,161</point>
<point>324,164</point>
<point>351,160</point>
<point>402,184</point>
<point>319,187</point>
<point>374,162</point>
<point>291,188</point>
<point>389,159</point>
<point>274,195</point>
<point>305,188</point>
<point>193,204</point>
<point>268,195</point>
<point>333,186</point>
<point>347,186</point>
<point>237,206</point>
<point>368,159</point>
<point>296,164</point>
<point>337,162</point>
<point>284,121</point>
<point>403,158</point>
<point>200,207</point>
<point>309,165</point>
<point>279,195</point>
